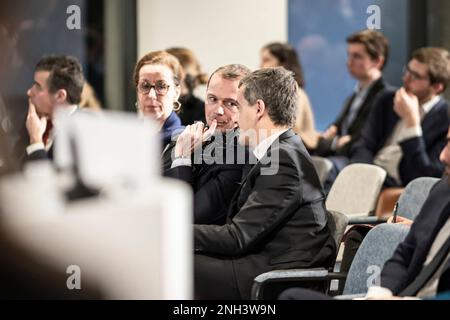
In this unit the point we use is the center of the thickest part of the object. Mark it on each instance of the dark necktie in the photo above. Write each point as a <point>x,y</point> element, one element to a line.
<point>47,132</point>
<point>427,272</point>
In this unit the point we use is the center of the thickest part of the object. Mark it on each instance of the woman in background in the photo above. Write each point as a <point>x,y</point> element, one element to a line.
<point>192,108</point>
<point>158,77</point>
<point>278,54</point>
<point>89,99</point>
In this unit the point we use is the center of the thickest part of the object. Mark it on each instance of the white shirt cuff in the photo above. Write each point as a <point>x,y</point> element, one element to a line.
<point>181,162</point>
<point>35,147</point>
<point>409,133</point>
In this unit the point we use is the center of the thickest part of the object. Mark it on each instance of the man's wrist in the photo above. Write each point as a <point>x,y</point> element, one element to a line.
<point>36,140</point>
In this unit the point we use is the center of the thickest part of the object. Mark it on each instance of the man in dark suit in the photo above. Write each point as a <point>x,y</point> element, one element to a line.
<point>367,54</point>
<point>211,160</point>
<point>277,219</point>
<point>429,233</point>
<point>58,83</point>
<point>406,129</point>
<point>420,266</point>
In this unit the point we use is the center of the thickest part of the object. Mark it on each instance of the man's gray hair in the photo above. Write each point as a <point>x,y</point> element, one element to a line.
<point>231,72</point>
<point>278,89</point>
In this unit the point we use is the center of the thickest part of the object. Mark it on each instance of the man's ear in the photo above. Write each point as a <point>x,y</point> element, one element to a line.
<point>260,108</point>
<point>438,87</point>
<point>379,62</point>
<point>61,96</point>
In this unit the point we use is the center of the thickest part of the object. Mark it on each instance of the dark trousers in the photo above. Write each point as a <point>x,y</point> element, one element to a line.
<point>352,241</point>
<point>214,278</point>
<point>303,294</point>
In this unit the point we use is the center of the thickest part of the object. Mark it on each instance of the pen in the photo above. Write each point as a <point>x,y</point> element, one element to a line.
<point>394,218</point>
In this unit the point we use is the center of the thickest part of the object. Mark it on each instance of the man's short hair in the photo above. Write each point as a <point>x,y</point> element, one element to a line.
<point>376,44</point>
<point>438,62</point>
<point>65,73</point>
<point>277,87</point>
<point>230,72</point>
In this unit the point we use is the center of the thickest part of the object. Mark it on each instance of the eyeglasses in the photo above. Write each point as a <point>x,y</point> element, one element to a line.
<point>414,75</point>
<point>160,87</point>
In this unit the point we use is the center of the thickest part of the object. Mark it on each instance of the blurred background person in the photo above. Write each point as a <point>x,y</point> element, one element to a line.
<point>89,98</point>
<point>158,77</point>
<point>281,54</point>
<point>192,108</point>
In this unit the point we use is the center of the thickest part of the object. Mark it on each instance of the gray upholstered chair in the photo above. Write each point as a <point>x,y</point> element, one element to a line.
<point>337,225</point>
<point>355,191</point>
<point>323,167</point>
<point>414,195</point>
<point>377,247</point>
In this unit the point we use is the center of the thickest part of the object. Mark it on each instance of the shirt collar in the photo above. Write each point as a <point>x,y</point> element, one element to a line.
<point>261,149</point>
<point>363,91</point>
<point>427,106</point>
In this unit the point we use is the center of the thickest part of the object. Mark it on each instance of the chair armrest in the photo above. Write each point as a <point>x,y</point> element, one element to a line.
<point>315,274</point>
<point>366,220</point>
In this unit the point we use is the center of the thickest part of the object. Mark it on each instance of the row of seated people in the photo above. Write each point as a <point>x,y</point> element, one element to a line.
<point>241,226</point>
<point>254,231</point>
<point>419,266</point>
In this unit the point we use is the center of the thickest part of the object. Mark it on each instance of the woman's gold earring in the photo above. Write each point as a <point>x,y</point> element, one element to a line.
<point>176,106</point>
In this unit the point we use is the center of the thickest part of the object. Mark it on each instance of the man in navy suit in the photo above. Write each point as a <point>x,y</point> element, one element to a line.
<point>429,232</point>
<point>58,83</point>
<point>406,130</point>
<point>210,159</point>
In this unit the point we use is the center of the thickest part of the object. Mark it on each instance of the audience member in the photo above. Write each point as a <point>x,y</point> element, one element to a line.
<point>192,108</point>
<point>284,55</point>
<point>58,83</point>
<point>406,130</point>
<point>158,77</point>
<point>277,218</point>
<point>215,172</point>
<point>367,55</point>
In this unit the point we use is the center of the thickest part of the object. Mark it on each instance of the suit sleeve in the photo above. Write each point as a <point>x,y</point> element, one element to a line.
<point>364,149</point>
<point>38,155</point>
<point>210,199</point>
<point>394,275</point>
<point>269,203</point>
<point>324,147</point>
<point>214,194</point>
<point>418,161</point>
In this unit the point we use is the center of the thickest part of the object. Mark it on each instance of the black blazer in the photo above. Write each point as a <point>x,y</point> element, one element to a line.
<point>41,154</point>
<point>213,182</point>
<point>275,221</point>
<point>324,146</point>
<point>420,154</point>
<point>410,255</point>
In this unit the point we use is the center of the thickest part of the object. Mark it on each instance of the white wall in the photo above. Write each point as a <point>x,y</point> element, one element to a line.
<point>219,31</point>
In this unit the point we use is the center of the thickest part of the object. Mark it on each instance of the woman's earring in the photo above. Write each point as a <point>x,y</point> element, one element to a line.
<point>136,105</point>
<point>176,106</point>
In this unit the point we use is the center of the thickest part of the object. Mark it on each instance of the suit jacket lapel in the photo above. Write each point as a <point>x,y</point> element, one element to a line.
<point>249,171</point>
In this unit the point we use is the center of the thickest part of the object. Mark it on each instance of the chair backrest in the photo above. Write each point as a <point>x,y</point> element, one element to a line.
<point>355,190</point>
<point>337,226</point>
<point>323,167</point>
<point>414,195</point>
<point>377,247</point>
